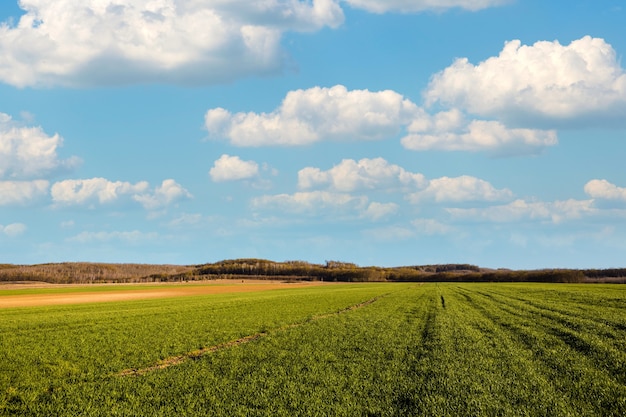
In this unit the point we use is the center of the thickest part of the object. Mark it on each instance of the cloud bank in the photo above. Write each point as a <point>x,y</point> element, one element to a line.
<point>93,42</point>
<point>338,114</point>
<point>98,191</point>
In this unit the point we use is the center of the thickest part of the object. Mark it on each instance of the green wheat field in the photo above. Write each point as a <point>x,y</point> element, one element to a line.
<point>372,349</point>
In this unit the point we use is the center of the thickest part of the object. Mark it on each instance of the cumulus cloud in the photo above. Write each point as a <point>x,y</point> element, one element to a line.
<point>450,131</point>
<point>545,82</point>
<point>459,189</point>
<point>94,42</point>
<point>350,175</point>
<point>22,192</point>
<point>379,175</point>
<point>28,152</point>
<point>13,229</point>
<point>232,168</point>
<point>308,116</point>
<point>336,113</point>
<point>167,193</point>
<point>521,210</point>
<point>602,189</point>
<point>407,6</point>
<point>103,191</point>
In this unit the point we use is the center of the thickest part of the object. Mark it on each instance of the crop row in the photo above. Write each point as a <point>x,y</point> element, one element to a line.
<point>447,349</point>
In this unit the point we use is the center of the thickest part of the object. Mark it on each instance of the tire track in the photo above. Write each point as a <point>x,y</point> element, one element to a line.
<point>198,353</point>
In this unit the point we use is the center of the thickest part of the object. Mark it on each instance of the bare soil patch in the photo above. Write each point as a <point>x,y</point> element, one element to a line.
<point>134,292</point>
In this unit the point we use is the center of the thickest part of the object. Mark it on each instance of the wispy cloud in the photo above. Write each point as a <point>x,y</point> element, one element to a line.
<point>13,229</point>
<point>134,236</point>
<point>521,210</point>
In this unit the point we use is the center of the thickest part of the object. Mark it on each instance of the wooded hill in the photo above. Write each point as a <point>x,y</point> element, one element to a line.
<point>81,273</point>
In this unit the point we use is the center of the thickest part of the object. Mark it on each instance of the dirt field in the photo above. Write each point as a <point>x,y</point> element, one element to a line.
<point>117,292</point>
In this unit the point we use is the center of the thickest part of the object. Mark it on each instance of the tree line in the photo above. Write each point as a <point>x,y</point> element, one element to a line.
<point>334,271</point>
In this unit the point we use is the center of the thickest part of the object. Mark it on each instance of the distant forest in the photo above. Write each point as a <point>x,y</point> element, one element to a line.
<point>332,271</point>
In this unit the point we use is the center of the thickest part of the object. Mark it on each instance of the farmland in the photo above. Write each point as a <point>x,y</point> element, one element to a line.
<point>336,349</point>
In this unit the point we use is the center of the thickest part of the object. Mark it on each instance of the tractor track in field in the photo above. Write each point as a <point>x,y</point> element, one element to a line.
<point>198,353</point>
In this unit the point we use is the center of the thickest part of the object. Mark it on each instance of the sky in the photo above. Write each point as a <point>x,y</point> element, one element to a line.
<point>379,132</point>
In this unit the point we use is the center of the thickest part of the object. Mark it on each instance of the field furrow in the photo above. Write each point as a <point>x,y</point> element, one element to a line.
<point>341,350</point>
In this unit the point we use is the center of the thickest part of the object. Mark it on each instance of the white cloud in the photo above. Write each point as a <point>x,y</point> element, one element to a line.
<point>167,193</point>
<point>232,168</point>
<point>602,189</point>
<point>458,189</point>
<point>311,202</point>
<point>379,175</point>
<point>103,191</point>
<point>28,152</point>
<point>407,6</point>
<point>520,210</point>
<point>350,175</point>
<point>449,131</point>
<point>377,211</point>
<point>93,42</point>
<point>338,205</point>
<point>316,114</point>
<point>13,229</point>
<point>546,82</point>
<point>134,236</point>
<point>22,192</point>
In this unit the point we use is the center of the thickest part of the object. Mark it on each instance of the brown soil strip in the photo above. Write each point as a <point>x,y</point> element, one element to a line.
<point>177,360</point>
<point>121,294</point>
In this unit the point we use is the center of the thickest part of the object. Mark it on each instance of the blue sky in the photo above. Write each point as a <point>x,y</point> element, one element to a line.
<point>390,132</point>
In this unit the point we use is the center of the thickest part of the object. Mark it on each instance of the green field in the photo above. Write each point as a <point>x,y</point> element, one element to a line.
<point>403,349</point>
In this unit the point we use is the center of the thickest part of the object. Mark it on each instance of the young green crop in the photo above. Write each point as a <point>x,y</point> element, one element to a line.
<point>445,350</point>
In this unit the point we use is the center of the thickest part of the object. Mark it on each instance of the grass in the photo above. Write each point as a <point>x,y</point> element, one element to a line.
<point>444,350</point>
